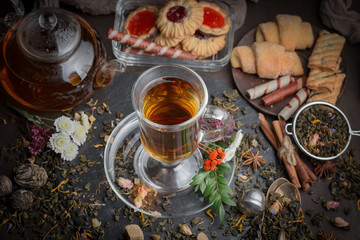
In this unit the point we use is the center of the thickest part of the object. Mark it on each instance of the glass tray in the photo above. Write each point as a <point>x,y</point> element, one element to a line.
<point>212,64</point>
<point>124,138</point>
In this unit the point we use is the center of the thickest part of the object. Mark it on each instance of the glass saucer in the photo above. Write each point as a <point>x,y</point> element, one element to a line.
<point>121,159</point>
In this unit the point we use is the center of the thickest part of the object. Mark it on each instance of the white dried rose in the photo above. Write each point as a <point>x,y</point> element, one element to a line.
<point>70,152</point>
<point>64,125</point>
<point>59,142</point>
<point>231,150</point>
<point>85,121</point>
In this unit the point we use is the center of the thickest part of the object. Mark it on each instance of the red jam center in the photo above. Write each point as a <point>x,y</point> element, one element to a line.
<point>141,23</point>
<point>213,18</point>
<point>176,14</point>
<point>199,35</point>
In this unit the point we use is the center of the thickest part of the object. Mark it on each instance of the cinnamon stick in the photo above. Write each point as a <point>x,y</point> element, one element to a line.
<point>266,129</point>
<point>312,176</point>
<point>289,168</point>
<point>302,167</point>
<point>303,175</point>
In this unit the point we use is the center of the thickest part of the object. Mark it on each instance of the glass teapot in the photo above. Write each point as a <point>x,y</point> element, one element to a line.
<point>52,60</point>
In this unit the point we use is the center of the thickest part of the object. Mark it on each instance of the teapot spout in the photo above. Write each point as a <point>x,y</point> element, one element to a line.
<point>107,72</point>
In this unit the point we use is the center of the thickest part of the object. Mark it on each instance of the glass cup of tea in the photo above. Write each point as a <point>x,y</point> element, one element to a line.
<point>171,102</point>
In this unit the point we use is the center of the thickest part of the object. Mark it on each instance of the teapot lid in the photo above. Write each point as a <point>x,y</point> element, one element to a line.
<point>49,34</point>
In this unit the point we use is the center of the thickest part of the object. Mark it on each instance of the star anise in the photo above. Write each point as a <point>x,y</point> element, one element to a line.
<point>323,236</point>
<point>254,159</point>
<point>324,168</point>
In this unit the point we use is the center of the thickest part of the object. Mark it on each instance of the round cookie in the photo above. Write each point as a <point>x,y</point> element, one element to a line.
<point>179,18</point>
<point>165,41</point>
<point>216,20</point>
<point>203,46</point>
<point>141,22</point>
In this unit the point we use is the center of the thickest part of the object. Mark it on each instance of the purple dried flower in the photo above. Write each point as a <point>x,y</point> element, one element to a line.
<point>331,205</point>
<point>232,127</point>
<point>39,138</point>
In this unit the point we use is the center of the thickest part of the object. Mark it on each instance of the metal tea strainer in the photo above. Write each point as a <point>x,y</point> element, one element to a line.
<point>292,126</point>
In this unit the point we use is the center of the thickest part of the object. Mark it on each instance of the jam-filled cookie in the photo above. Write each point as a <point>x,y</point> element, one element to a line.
<point>203,46</point>
<point>141,22</point>
<point>179,18</point>
<point>166,41</point>
<point>216,20</point>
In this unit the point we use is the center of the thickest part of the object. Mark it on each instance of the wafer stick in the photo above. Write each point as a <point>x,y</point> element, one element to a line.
<point>281,93</point>
<point>137,51</point>
<point>269,87</point>
<point>294,104</point>
<point>148,46</point>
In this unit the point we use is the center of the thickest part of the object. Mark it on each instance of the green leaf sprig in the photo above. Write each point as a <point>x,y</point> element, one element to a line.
<point>214,185</point>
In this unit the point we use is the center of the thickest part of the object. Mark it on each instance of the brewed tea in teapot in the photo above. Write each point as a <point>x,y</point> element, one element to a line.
<point>50,60</point>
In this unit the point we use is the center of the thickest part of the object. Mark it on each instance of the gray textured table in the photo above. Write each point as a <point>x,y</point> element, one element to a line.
<point>263,11</point>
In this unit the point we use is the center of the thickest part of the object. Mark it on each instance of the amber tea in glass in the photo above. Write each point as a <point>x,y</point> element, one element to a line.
<point>170,101</point>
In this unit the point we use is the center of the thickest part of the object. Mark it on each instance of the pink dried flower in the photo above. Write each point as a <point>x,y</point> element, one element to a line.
<point>331,205</point>
<point>339,222</point>
<point>142,193</point>
<point>124,183</point>
<point>314,139</point>
<point>39,138</point>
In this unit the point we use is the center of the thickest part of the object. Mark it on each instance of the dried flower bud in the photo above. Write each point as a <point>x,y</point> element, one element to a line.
<point>124,183</point>
<point>21,200</point>
<point>202,236</point>
<point>31,176</point>
<point>95,223</point>
<point>339,222</point>
<point>5,185</point>
<point>155,237</point>
<point>195,221</point>
<point>331,205</point>
<point>185,229</point>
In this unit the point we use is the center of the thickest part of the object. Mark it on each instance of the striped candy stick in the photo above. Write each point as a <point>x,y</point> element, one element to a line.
<point>148,46</point>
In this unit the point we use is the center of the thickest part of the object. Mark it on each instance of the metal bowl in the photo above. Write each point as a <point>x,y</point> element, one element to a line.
<point>293,132</point>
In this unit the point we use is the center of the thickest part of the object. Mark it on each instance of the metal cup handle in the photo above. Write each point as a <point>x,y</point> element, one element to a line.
<point>286,129</point>
<point>355,133</point>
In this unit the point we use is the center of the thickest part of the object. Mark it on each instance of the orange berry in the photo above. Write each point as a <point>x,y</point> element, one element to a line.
<point>212,167</point>
<point>207,162</point>
<point>213,155</point>
<point>219,150</point>
<point>222,155</point>
<point>206,167</point>
<point>219,161</point>
<point>213,163</point>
